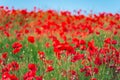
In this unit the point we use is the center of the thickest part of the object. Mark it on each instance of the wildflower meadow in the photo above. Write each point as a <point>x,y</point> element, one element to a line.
<point>51,45</point>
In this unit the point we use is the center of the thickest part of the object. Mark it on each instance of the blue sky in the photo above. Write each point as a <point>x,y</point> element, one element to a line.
<point>95,5</point>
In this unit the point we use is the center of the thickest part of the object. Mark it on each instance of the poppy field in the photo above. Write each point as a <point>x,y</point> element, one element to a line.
<point>51,45</point>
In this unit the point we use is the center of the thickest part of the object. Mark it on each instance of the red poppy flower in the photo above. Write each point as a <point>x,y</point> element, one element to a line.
<point>107,40</point>
<point>49,69</point>
<point>93,79</point>
<point>39,78</point>
<point>115,32</point>
<point>41,55</point>
<point>32,67</point>
<point>73,72</point>
<point>5,76</point>
<point>47,45</point>
<point>98,61</point>
<point>38,31</point>
<point>77,57</point>
<point>15,51</point>
<point>96,70</point>
<point>83,47</point>
<point>1,61</point>
<point>31,39</point>
<point>4,55</point>
<point>14,65</point>
<point>98,33</point>
<point>7,34</point>
<point>114,42</point>
<point>29,75</point>
<point>26,31</point>
<point>13,77</point>
<point>17,45</point>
